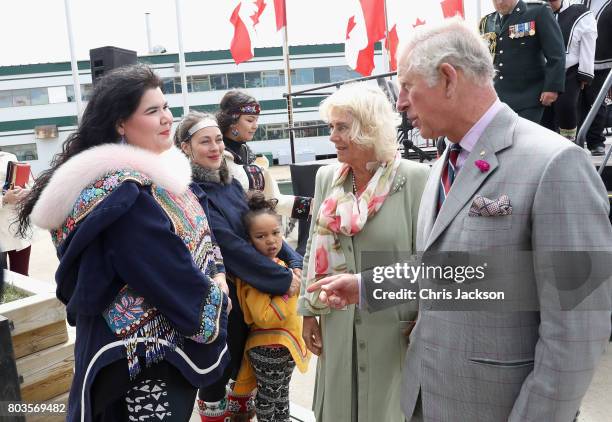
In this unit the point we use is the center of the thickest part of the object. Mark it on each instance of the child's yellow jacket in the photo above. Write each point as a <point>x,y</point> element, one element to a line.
<point>273,320</point>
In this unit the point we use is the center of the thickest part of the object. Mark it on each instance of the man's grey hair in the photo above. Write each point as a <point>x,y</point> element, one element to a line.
<point>452,42</point>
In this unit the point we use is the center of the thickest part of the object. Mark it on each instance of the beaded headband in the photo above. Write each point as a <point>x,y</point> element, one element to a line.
<point>206,122</point>
<point>248,108</point>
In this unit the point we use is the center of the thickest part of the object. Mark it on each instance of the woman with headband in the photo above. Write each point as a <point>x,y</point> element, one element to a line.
<point>237,117</point>
<point>200,138</point>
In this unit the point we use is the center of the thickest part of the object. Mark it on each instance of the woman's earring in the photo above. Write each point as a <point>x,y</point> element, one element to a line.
<point>122,140</point>
<point>235,132</point>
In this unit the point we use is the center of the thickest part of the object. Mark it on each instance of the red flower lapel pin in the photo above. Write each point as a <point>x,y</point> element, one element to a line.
<point>482,165</point>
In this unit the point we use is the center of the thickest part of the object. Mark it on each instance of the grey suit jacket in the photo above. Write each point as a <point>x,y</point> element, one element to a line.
<point>516,366</point>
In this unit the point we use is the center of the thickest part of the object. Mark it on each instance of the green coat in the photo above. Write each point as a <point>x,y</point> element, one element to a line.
<point>529,54</point>
<point>359,371</point>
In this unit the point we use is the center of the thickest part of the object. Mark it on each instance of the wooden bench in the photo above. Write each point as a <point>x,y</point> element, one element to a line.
<point>42,346</point>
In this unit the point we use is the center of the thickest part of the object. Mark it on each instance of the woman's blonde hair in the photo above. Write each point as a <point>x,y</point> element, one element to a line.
<point>374,121</point>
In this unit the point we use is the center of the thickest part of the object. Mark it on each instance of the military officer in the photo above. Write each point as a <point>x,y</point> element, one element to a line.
<point>528,53</point>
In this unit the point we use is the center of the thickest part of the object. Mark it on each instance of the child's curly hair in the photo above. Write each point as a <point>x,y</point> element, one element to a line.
<point>258,205</point>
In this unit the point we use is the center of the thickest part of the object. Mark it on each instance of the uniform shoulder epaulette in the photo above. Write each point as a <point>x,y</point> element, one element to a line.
<point>483,22</point>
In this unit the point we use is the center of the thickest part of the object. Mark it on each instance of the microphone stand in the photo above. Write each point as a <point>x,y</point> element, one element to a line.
<point>404,138</point>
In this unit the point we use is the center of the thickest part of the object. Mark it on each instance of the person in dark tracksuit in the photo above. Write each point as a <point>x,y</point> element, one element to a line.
<point>579,30</point>
<point>602,10</point>
<point>528,53</point>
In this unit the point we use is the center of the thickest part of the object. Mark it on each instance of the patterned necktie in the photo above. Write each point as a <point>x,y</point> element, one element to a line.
<point>448,173</point>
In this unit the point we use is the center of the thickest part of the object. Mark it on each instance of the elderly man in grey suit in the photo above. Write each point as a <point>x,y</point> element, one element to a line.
<point>504,185</point>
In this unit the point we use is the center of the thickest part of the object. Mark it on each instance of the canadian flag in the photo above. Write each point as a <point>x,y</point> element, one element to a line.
<point>280,11</point>
<point>366,26</point>
<point>406,15</point>
<point>244,18</point>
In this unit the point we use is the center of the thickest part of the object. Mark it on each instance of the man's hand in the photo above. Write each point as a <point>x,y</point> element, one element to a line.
<point>547,98</point>
<point>13,196</point>
<point>296,282</point>
<point>337,291</point>
<point>583,84</point>
<point>219,280</point>
<point>311,333</point>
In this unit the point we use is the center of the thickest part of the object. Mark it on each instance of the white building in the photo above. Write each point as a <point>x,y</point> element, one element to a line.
<point>38,112</point>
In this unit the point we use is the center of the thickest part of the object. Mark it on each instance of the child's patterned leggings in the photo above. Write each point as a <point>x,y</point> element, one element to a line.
<point>273,367</point>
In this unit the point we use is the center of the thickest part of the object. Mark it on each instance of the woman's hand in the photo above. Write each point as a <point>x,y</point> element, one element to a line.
<point>296,283</point>
<point>13,196</point>
<point>220,281</point>
<point>311,333</point>
<point>297,272</point>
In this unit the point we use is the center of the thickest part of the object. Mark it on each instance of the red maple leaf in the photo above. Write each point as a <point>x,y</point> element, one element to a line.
<point>418,23</point>
<point>350,26</point>
<point>261,5</point>
<point>391,44</point>
<point>451,8</point>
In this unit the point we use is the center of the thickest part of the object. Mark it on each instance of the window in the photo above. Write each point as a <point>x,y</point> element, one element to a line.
<point>321,75</point>
<point>21,97</point>
<point>276,131</point>
<point>260,133</point>
<point>57,94</point>
<point>86,90</point>
<point>272,131</point>
<point>46,132</point>
<point>6,99</point>
<point>253,80</point>
<point>168,85</point>
<point>307,132</point>
<point>302,76</point>
<point>342,73</point>
<point>235,80</point>
<point>24,152</point>
<point>218,82</point>
<point>273,77</point>
<point>200,83</point>
<point>39,96</point>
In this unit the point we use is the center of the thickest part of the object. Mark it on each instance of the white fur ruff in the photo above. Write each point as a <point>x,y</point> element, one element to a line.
<point>169,170</point>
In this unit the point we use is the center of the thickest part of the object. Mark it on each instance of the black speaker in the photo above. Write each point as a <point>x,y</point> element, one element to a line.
<point>303,183</point>
<point>104,59</point>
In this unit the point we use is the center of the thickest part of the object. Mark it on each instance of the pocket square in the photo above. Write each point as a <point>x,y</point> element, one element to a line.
<point>485,207</point>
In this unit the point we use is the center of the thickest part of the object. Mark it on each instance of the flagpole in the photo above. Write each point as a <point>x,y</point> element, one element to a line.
<point>386,43</point>
<point>179,28</point>
<point>73,62</point>
<point>288,83</point>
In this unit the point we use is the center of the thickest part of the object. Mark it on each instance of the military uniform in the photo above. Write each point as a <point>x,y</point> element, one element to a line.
<point>528,54</point>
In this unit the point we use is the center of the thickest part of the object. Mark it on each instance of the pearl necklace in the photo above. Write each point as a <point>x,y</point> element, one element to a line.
<point>354,184</point>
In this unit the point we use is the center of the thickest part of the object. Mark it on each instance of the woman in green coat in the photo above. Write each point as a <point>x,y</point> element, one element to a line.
<point>364,214</point>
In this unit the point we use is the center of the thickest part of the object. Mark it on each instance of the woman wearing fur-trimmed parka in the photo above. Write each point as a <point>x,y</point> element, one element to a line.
<point>140,272</point>
<point>199,136</point>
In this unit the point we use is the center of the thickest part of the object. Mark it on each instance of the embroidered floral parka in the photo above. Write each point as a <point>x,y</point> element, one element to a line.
<point>136,260</point>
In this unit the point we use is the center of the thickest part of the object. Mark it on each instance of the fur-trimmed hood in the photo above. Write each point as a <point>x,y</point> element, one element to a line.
<point>204,175</point>
<point>169,170</point>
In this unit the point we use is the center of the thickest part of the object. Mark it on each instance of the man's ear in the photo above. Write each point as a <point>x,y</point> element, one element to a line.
<point>449,77</point>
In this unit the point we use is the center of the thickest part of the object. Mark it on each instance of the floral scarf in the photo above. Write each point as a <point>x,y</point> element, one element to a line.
<point>343,213</point>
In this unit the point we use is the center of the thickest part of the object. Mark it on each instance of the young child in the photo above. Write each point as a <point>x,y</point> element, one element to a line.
<point>275,345</point>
